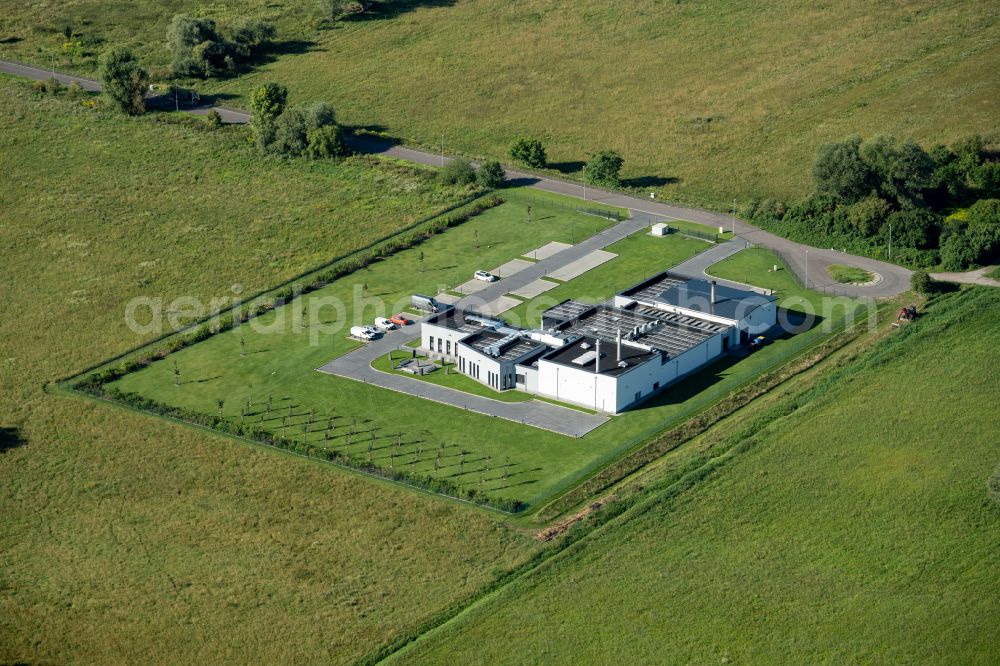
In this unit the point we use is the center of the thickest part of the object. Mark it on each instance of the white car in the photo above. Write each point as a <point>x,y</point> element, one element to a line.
<point>383,324</point>
<point>486,276</point>
<point>364,332</point>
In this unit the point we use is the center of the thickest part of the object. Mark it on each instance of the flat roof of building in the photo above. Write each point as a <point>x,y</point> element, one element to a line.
<point>652,287</point>
<point>466,321</point>
<point>695,294</point>
<point>503,347</point>
<point>580,354</point>
<point>729,302</point>
<point>670,332</point>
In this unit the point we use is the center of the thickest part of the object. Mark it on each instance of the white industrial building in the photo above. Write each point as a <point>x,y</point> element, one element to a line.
<point>606,357</point>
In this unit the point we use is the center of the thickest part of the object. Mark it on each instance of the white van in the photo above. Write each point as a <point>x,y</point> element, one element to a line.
<point>383,324</point>
<point>364,332</point>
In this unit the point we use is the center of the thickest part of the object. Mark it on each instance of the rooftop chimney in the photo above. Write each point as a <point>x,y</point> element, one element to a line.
<point>597,358</point>
<point>619,345</point>
<point>713,292</point>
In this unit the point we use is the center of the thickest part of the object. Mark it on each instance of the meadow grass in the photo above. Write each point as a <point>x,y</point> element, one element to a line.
<point>706,101</point>
<point>129,539</point>
<point>851,524</point>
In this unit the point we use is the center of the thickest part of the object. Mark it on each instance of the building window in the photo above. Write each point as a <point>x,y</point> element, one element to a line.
<point>448,347</point>
<point>656,386</point>
<point>431,345</point>
<point>439,344</point>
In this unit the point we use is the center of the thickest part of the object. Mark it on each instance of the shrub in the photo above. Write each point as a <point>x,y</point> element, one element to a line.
<point>530,152</point>
<point>491,175</point>
<point>459,171</point>
<point>123,80</point>
<point>604,168</point>
<point>922,283</point>
<point>291,130</point>
<point>213,120</point>
<point>74,90</point>
<point>325,142</point>
<point>198,47</point>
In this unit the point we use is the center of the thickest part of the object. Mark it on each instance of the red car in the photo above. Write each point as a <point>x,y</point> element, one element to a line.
<point>400,320</point>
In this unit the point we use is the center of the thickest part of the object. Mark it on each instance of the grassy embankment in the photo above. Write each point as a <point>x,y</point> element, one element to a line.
<point>128,539</point>
<point>849,521</point>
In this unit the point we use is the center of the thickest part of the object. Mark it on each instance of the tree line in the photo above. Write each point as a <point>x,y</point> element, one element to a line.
<point>897,200</point>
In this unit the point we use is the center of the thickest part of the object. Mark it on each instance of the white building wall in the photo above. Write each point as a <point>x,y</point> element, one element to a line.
<point>442,335</point>
<point>760,319</point>
<point>530,378</point>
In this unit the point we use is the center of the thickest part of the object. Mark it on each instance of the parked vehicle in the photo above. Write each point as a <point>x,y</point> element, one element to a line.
<point>486,276</point>
<point>383,324</point>
<point>758,343</point>
<point>400,320</point>
<point>364,332</point>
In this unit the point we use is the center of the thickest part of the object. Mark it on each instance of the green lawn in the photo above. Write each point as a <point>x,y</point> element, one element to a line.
<point>849,274</point>
<point>995,273</point>
<point>639,256</point>
<point>855,529</point>
<point>127,539</point>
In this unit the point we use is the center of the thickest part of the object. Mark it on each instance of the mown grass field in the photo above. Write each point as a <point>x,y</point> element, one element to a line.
<point>857,527</point>
<point>709,100</point>
<point>125,539</point>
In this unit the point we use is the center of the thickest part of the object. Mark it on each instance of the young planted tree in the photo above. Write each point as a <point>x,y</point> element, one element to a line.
<point>220,402</point>
<point>123,80</point>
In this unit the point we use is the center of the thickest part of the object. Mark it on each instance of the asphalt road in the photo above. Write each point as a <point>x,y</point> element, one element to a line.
<point>809,263</point>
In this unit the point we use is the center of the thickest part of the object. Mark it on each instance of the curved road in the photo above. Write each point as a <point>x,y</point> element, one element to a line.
<point>802,259</point>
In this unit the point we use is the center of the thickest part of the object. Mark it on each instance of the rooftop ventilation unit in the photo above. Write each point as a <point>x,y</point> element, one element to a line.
<point>497,348</point>
<point>622,364</point>
<point>584,345</point>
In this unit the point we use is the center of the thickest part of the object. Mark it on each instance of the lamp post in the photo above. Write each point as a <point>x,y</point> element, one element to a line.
<point>734,217</point>
<point>890,242</point>
<point>585,182</point>
<point>807,269</point>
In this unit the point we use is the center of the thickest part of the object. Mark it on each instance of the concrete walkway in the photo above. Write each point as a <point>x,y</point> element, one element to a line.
<point>977,277</point>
